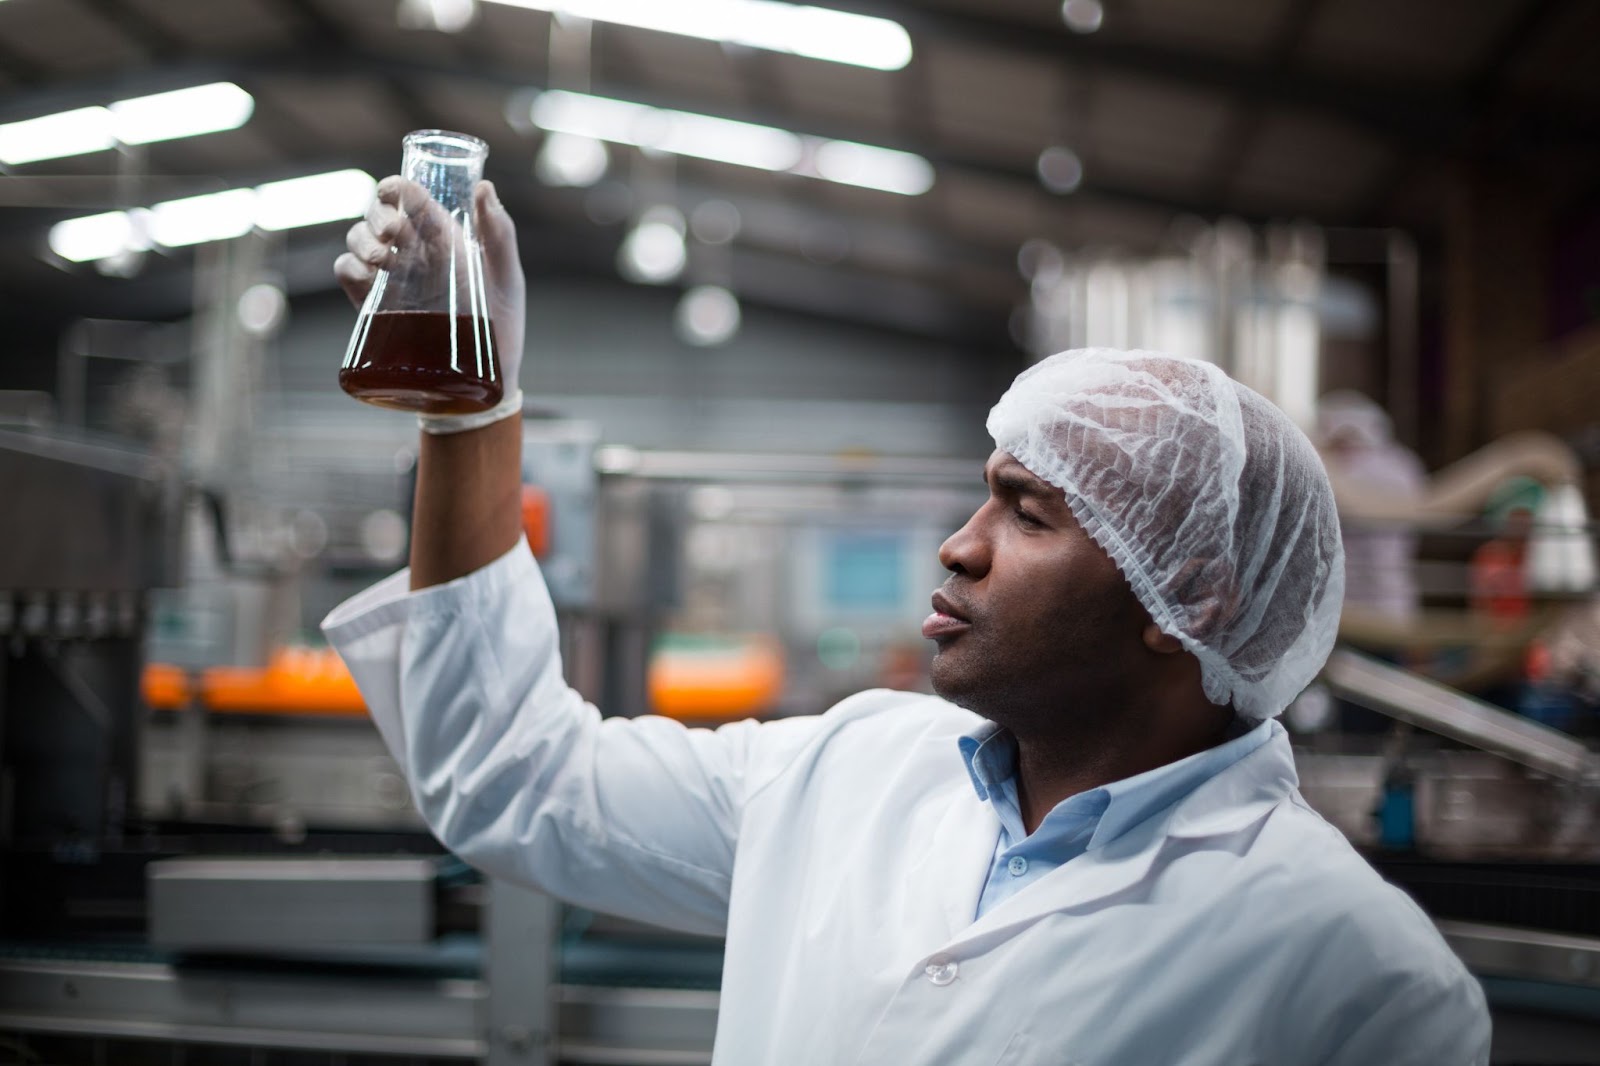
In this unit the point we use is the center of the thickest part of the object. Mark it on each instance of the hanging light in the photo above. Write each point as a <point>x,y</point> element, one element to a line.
<point>571,159</point>
<point>654,251</point>
<point>1060,170</point>
<point>1083,16</point>
<point>707,315</point>
<point>446,16</point>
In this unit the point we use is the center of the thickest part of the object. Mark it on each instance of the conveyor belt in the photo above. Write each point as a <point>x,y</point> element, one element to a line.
<point>596,962</point>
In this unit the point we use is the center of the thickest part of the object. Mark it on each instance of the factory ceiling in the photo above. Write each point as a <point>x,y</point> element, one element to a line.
<point>1346,112</point>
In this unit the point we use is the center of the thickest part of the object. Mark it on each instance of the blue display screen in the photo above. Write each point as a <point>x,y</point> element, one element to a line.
<point>865,571</point>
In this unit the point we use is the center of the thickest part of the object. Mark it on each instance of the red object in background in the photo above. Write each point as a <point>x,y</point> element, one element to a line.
<point>1500,581</point>
<point>536,519</point>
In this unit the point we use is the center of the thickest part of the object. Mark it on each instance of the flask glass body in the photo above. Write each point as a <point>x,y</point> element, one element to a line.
<point>424,341</point>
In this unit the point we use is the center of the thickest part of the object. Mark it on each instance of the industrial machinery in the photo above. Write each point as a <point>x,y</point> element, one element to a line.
<point>210,868</point>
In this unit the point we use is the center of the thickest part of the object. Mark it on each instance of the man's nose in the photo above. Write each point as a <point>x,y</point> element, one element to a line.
<point>966,550</point>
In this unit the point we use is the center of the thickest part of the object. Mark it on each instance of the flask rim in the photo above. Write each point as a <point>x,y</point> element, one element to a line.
<point>446,146</point>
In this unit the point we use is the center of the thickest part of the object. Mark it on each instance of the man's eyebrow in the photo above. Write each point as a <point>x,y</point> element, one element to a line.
<point>1020,482</point>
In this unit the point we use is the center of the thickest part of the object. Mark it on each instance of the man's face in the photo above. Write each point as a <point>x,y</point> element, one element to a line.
<point>1035,625</point>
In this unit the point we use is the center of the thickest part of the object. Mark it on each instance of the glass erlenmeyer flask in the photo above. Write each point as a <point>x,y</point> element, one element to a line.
<point>424,341</point>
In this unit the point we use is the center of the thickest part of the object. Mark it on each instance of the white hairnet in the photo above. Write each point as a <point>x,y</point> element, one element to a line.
<point>1213,505</point>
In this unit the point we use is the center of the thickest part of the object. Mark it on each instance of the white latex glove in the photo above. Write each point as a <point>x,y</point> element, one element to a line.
<point>404,221</point>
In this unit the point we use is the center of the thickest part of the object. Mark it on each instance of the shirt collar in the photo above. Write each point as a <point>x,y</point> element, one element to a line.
<point>990,755</point>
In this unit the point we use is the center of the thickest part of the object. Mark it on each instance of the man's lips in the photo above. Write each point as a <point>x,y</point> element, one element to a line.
<point>946,620</point>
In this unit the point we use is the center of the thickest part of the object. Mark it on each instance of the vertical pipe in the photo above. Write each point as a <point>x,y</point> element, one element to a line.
<point>1403,370</point>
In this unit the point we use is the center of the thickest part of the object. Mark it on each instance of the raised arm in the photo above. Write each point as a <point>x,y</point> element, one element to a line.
<point>460,667</point>
<point>467,510</point>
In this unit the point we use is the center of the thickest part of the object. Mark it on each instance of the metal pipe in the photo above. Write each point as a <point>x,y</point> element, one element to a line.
<point>1437,708</point>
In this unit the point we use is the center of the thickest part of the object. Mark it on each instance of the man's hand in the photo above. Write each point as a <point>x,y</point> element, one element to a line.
<point>405,229</point>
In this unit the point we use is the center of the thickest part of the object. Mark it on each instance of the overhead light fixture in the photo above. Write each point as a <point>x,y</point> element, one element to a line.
<point>715,222</point>
<point>181,113</point>
<point>707,315</point>
<point>215,216</point>
<point>571,159</point>
<point>80,240</point>
<point>871,167</point>
<point>678,132</point>
<point>1060,170</point>
<point>654,251</point>
<point>1083,16</point>
<point>794,29</point>
<point>76,132</point>
<point>262,308</point>
<point>314,199</point>
<point>724,140</point>
<point>276,205</point>
<point>140,120</point>
<point>446,16</point>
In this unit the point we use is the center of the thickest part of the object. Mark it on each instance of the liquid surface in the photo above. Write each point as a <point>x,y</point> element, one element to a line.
<point>430,362</point>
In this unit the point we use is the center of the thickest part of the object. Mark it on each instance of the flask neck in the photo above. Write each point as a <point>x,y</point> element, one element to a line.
<point>447,164</point>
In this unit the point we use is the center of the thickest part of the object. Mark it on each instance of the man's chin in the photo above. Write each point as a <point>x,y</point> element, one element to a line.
<point>952,679</point>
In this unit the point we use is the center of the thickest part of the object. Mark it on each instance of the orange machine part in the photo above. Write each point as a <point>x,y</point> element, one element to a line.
<point>715,685</point>
<point>298,681</point>
<point>305,681</point>
<point>164,687</point>
<point>536,519</point>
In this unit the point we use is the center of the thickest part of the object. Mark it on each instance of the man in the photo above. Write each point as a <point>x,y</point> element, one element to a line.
<point>1089,851</point>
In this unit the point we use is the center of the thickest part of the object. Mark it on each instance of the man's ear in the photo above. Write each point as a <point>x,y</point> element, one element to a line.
<point>1160,642</point>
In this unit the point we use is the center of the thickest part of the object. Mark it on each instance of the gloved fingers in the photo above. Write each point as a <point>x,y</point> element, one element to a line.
<point>363,243</point>
<point>404,216</point>
<point>355,276</point>
<point>498,234</point>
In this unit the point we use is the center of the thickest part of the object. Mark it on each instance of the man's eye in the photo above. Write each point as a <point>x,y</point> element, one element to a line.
<point>1027,519</point>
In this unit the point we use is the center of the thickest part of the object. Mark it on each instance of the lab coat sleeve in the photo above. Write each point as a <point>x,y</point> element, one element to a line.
<point>1388,990</point>
<point>519,776</point>
<point>1426,1021</point>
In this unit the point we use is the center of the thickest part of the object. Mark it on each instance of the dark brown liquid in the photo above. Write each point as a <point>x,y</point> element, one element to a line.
<point>426,361</point>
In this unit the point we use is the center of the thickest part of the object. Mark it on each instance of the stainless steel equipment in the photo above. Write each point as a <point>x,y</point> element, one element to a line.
<point>289,905</point>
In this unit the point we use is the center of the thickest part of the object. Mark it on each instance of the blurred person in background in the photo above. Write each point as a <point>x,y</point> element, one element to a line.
<point>1088,847</point>
<point>1356,439</point>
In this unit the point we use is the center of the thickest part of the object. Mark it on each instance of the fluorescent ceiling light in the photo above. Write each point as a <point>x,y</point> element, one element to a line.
<point>679,132</point>
<point>872,167</point>
<point>182,113</point>
<point>726,141</point>
<point>85,129</point>
<point>795,29</point>
<point>97,236</point>
<point>315,199</point>
<point>216,216</point>
<point>140,120</point>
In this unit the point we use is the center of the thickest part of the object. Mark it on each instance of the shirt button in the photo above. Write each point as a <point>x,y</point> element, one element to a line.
<point>1018,866</point>
<point>941,971</point>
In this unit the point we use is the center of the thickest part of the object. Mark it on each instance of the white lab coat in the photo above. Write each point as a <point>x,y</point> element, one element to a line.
<point>842,856</point>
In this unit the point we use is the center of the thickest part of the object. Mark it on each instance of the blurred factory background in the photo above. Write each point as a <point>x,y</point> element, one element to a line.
<point>782,259</point>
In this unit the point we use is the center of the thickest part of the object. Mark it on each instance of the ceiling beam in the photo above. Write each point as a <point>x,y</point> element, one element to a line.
<point>1244,124</point>
<point>157,44</point>
<point>1413,119</point>
<point>1488,81</point>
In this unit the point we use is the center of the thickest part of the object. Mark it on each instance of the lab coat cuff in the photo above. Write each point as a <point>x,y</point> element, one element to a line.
<point>391,600</point>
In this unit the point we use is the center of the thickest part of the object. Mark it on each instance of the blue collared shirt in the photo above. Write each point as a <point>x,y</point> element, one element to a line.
<point>1078,823</point>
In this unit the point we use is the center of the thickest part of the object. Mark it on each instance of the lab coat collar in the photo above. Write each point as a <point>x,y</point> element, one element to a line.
<point>1235,799</point>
